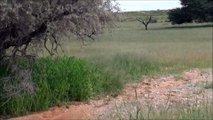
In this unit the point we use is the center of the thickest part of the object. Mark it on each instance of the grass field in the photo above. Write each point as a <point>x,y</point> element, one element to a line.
<point>188,45</point>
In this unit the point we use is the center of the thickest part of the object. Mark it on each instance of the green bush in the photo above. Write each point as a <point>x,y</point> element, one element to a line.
<point>58,81</point>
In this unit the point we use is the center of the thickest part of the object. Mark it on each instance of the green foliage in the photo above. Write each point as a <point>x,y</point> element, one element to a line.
<point>58,81</point>
<point>4,70</point>
<point>192,10</point>
<point>179,16</point>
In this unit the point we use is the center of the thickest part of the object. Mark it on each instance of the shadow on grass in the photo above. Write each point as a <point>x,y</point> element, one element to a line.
<point>189,26</point>
<point>183,27</point>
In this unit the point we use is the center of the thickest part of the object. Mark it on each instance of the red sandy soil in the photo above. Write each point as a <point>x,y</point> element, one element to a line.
<point>159,91</point>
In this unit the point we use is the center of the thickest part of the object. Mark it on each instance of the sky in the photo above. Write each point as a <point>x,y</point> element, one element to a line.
<point>143,5</point>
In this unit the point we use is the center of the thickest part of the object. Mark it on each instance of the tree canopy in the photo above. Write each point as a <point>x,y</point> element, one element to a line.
<point>192,10</point>
<point>26,25</point>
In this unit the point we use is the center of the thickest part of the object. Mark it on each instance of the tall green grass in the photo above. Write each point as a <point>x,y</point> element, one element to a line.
<point>58,81</point>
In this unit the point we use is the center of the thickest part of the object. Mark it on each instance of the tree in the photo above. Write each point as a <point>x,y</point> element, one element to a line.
<point>27,25</point>
<point>145,22</point>
<point>179,16</point>
<point>192,10</point>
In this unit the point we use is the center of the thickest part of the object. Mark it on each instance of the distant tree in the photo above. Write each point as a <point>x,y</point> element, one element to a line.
<point>179,16</point>
<point>192,10</point>
<point>27,25</point>
<point>145,22</point>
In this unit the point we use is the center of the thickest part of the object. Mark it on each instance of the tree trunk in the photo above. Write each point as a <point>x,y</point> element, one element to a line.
<point>146,27</point>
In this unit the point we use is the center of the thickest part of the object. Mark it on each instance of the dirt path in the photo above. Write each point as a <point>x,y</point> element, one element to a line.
<point>187,89</point>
